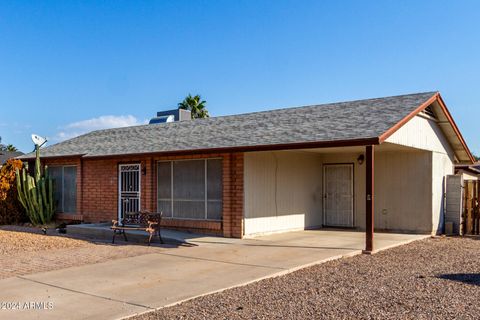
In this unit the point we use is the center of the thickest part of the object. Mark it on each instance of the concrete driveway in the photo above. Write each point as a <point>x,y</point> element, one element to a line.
<point>129,286</point>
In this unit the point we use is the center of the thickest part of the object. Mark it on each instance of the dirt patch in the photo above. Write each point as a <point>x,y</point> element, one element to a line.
<point>430,279</point>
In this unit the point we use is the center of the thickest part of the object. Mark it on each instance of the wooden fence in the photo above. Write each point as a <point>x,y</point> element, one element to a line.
<point>471,208</point>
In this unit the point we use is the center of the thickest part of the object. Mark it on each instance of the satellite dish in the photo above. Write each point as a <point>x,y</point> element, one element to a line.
<point>38,140</point>
<point>170,118</point>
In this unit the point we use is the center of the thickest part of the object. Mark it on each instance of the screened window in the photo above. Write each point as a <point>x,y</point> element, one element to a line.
<point>190,189</point>
<point>65,188</point>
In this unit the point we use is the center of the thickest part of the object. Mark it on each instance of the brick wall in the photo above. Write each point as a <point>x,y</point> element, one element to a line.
<point>100,190</point>
<point>233,195</point>
<point>97,191</point>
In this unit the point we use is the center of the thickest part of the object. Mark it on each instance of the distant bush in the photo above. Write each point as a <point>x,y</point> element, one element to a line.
<point>11,211</point>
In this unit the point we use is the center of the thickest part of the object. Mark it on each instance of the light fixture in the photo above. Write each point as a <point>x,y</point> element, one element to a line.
<point>360,159</point>
<point>144,171</point>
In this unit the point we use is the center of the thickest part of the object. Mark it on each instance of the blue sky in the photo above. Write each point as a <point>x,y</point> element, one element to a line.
<point>67,67</point>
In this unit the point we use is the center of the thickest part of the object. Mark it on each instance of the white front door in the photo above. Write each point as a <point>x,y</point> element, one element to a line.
<point>128,189</point>
<point>338,195</point>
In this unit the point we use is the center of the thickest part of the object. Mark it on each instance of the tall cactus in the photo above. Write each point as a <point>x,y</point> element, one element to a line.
<point>36,193</point>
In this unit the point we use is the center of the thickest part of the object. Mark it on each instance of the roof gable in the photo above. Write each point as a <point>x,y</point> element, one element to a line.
<point>444,120</point>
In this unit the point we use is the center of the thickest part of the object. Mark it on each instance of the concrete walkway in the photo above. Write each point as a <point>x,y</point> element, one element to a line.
<point>129,286</point>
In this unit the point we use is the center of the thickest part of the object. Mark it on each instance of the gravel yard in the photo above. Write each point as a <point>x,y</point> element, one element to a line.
<point>437,278</point>
<point>25,251</point>
<point>15,240</point>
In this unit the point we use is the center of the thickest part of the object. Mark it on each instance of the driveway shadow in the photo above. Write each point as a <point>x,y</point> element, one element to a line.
<point>468,278</point>
<point>139,239</point>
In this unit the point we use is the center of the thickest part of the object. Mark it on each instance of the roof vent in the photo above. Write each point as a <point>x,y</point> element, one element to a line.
<point>171,116</point>
<point>429,112</point>
<point>162,119</point>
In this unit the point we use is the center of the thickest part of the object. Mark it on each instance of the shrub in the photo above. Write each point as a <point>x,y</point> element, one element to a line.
<point>11,211</point>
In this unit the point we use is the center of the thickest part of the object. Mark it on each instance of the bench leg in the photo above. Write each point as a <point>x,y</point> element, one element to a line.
<point>150,238</point>
<point>115,232</point>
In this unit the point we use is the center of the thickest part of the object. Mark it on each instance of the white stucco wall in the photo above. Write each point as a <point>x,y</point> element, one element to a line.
<point>282,191</point>
<point>403,191</point>
<point>421,133</point>
<point>425,134</point>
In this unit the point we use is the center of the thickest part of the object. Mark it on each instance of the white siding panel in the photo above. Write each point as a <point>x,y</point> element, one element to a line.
<point>421,133</point>
<point>262,225</point>
<point>282,191</point>
<point>403,191</point>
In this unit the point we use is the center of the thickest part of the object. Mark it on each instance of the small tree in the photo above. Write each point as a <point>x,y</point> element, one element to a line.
<point>195,105</point>
<point>11,211</point>
<point>36,193</point>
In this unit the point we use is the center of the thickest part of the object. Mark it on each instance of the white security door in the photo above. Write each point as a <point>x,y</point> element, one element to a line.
<point>128,189</point>
<point>338,195</point>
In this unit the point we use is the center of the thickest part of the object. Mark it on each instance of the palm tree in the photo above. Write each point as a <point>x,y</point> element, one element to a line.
<point>11,148</point>
<point>195,105</point>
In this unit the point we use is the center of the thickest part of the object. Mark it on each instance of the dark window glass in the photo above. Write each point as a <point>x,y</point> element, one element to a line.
<point>164,188</point>
<point>65,188</point>
<point>70,189</point>
<point>197,189</point>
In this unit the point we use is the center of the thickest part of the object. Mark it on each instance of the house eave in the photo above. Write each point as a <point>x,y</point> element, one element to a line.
<point>288,146</point>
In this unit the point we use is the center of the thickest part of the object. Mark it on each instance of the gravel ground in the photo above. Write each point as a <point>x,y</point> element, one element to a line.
<point>437,278</point>
<point>25,251</point>
<point>20,239</point>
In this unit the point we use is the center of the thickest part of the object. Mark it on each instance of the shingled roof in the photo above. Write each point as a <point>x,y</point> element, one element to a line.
<point>349,123</point>
<point>6,155</point>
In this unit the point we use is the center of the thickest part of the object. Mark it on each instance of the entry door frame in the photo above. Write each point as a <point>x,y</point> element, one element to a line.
<point>139,192</point>
<point>352,188</point>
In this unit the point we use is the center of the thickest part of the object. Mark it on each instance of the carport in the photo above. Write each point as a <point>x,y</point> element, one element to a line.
<point>334,188</point>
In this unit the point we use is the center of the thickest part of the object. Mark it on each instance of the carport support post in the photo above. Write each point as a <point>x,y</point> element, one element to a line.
<point>370,167</point>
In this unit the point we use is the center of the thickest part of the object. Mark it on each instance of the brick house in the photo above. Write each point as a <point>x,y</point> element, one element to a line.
<point>335,165</point>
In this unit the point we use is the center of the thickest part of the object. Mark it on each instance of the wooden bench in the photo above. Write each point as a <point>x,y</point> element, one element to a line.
<point>141,221</point>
